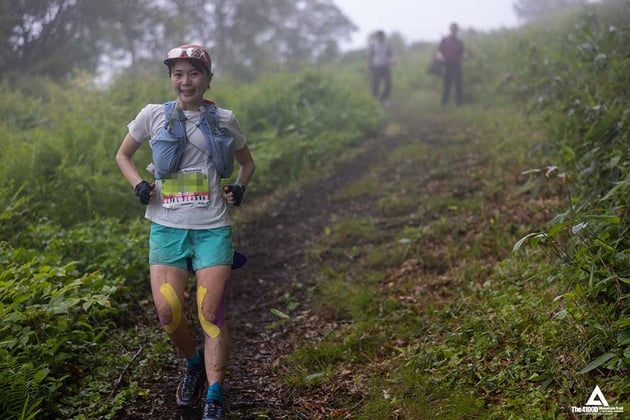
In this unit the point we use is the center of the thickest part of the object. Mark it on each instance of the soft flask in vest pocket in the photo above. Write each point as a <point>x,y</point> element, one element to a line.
<point>221,142</point>
<point>168,146</point>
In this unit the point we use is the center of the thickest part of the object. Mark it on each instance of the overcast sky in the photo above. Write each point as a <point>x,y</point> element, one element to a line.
<point>424,20</point>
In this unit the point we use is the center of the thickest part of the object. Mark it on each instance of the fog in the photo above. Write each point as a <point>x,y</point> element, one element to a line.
<point>424,20</point>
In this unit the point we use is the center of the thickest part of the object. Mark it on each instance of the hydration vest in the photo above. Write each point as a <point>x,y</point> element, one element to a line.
<point>169,143</point>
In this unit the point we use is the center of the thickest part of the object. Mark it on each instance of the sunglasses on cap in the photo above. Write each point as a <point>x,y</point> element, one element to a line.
<point>189,52</point>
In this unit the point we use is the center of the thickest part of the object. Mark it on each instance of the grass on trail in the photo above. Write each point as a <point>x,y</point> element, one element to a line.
<point>425,311</point>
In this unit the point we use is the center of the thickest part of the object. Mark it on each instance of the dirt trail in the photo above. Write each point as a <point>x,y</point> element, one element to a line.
<point>274,240</point>
<point>277,270</point>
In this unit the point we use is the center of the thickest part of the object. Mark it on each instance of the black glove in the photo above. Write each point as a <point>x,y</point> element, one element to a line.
<point>238,191</point>
<point>143,192</point>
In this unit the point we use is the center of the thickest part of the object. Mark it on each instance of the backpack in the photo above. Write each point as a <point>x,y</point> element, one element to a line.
<point>169,143</point>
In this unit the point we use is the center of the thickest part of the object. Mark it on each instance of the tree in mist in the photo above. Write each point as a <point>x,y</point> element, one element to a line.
<point>55,37</point>
<point>249,37</point>
<point>48,37</point>
<point>530,10</point>
<point>137,30</point>
<point>245,37</point>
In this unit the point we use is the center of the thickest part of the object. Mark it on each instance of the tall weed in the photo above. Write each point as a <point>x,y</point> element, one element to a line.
<point>581,92</point>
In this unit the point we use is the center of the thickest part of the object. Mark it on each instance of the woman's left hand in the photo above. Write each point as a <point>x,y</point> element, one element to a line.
<point>234,193</point>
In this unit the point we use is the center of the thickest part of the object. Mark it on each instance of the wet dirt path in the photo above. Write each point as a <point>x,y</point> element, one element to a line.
<point>277,271</point>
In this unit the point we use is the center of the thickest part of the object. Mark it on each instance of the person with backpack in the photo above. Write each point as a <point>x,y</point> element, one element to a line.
<point>451,51</point>
<point>194,144</point>
<point>380,60</point>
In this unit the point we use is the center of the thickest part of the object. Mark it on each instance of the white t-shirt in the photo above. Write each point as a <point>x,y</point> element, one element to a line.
<point>381,53</point>
<point>213,212</point>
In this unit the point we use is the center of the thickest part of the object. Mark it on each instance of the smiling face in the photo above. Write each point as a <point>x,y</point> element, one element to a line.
<point>189,84</point>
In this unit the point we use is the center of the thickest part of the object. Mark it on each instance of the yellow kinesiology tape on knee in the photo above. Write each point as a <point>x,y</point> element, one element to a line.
<point>176,307</point>
<point>209,327</point>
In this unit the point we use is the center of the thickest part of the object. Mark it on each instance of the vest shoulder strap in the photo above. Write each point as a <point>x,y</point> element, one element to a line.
<point>172,113</point>
<point>211,112</point>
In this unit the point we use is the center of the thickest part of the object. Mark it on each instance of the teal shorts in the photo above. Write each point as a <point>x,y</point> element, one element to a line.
<point>176,247</point>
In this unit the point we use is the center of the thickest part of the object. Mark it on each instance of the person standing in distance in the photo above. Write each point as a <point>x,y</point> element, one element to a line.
<point>451,49</point>
<point>189,217</point>
<point>380,61</point>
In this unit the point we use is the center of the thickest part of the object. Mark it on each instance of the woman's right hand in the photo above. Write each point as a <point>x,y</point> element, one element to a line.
<point>144,191</point>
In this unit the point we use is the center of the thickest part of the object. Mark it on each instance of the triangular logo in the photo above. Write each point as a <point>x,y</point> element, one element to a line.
<point>597,398</point>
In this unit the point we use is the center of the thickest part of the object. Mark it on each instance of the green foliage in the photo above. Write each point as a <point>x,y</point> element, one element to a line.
<point>48,321</point>
<point>61,290</point>
<point>59,155</point>
<point>297,122</point>
<point>581,93</point>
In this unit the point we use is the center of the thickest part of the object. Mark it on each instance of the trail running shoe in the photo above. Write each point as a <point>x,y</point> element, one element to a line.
<point>191,387</point>
<point>212,410</point>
